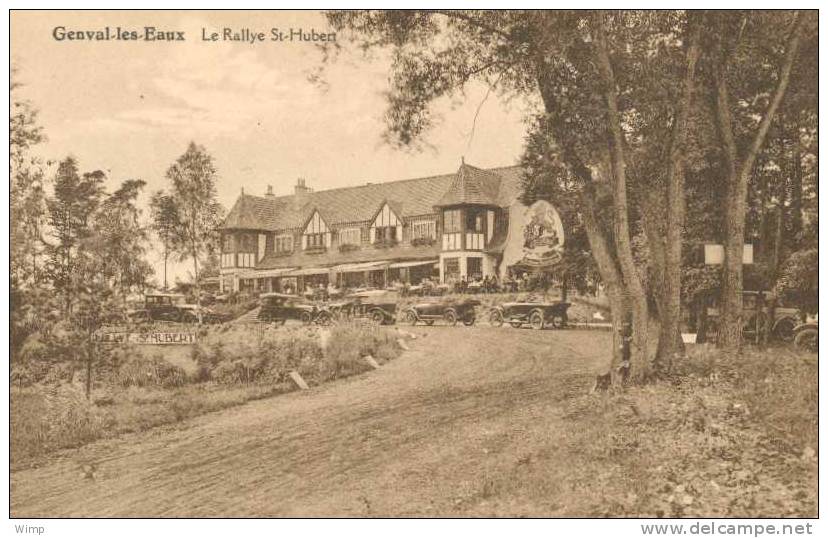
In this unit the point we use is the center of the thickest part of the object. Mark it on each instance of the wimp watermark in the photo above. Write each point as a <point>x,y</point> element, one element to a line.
<point>29,529</point>
<point>727,529</point>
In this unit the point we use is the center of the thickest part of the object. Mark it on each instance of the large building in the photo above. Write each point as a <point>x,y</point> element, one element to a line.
<point>443,227</point>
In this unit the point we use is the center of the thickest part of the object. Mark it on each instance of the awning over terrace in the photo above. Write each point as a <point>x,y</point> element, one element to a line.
<point>360,267</point>
<point>418,263</point>
<point>307,271</point>
<point>267,273</point>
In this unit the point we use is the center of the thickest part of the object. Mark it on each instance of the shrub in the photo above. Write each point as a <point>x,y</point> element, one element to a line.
<point>141,372</point>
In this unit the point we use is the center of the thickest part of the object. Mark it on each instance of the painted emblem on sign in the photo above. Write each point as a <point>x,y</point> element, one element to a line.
<point>543,235</point>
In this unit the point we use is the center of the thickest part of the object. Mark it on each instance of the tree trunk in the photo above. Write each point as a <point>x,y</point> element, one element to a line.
<point>796,190</point>
<point>613,285</point>
<point>90,352</point>
<point>669,341</point>
<point>197,284</point>
<point>166,256</point>
<point>600,242</point>
<point>633,290</point>
<point>738,175</point>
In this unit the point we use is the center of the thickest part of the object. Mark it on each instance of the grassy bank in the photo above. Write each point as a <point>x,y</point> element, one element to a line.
<point>727,436</point>
<point>139,387</point>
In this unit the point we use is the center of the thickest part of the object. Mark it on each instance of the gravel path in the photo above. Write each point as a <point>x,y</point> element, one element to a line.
<point>416,437</point>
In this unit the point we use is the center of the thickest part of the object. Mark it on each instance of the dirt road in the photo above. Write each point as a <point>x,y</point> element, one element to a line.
<point>424,435</point>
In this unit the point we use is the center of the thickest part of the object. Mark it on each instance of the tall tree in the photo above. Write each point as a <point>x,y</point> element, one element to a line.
<point>71,211</point>
<point>164,223</point>
<point>121,239</point>
<point>735,64</point>
<point>26,191</point>
<point>193,192</point>
<point>600,113</point>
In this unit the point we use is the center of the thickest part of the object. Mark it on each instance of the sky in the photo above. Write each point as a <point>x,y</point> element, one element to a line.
<point>130,108</point>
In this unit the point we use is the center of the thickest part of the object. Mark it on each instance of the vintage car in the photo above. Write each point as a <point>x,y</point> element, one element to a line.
<point>762,314</point>
<point>171,307</point>
<point>279,307</point>
<point>806,336</point>
<point>451,312</point>
<point>378,306</point>
<point>537,314</point>
<point>161,307</point>
<point>208,315</point>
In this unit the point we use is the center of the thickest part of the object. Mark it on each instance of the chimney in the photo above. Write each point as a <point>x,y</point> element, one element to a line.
<point>269,192</point>
<point>300,191</point>
<point>300,187</point>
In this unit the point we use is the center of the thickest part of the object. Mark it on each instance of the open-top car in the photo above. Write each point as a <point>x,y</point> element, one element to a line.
<point>378,306</point>
<point>451,312</point>
<point>806,336</point>
<point>537,314</point>
<point>208,315</point>
<point>762,313</point>
<point>280,307</point>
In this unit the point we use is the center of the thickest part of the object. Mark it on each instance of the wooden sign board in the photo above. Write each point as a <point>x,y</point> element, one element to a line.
<point>152,338</point>
<point>294,375</point>
<point>714,254</point>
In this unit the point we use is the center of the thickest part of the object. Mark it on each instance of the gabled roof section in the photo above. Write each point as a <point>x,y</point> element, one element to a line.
<point>407,198</point>
<point>315,211</point>
<point>394,207</point>
<point>472,186</point>
<point>251,212</point>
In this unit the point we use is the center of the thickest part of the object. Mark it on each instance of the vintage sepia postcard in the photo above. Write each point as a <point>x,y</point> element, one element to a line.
<point>415,264</point>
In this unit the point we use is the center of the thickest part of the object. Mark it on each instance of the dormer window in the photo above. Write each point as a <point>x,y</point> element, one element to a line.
<point>317,235</point>
<point>386,229</point>
<point>316,241</point>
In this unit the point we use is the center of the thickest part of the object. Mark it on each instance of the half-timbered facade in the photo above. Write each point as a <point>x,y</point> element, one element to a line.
<point>446,227</point>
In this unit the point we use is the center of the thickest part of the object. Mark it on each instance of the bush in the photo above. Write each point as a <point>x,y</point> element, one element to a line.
<point>141,372</point>
<point>56,417</point>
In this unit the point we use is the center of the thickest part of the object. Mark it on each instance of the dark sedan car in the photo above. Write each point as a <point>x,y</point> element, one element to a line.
<point>279,307</point>
<point>378,307</point>
<point>171,307</point>
<point>161,307</point>
<point>538,315</point>
<point>451,312</point>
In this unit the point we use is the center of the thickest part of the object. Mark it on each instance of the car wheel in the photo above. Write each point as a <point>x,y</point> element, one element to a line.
<point>516,324</point>
<point>468,321</point>
<point>450,317</point>
<point>324,318</point>
<point>536,320</point>
<point>808,339</point>
<point>410,317</point>
<point>495,318</point>
<point>377,317</point>
<point>306,318</point>
<point>784,330</point>
<point>558,322</point>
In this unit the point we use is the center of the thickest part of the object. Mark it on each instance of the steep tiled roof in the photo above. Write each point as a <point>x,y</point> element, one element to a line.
<point>408,198</point>
<point>472,186</point>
